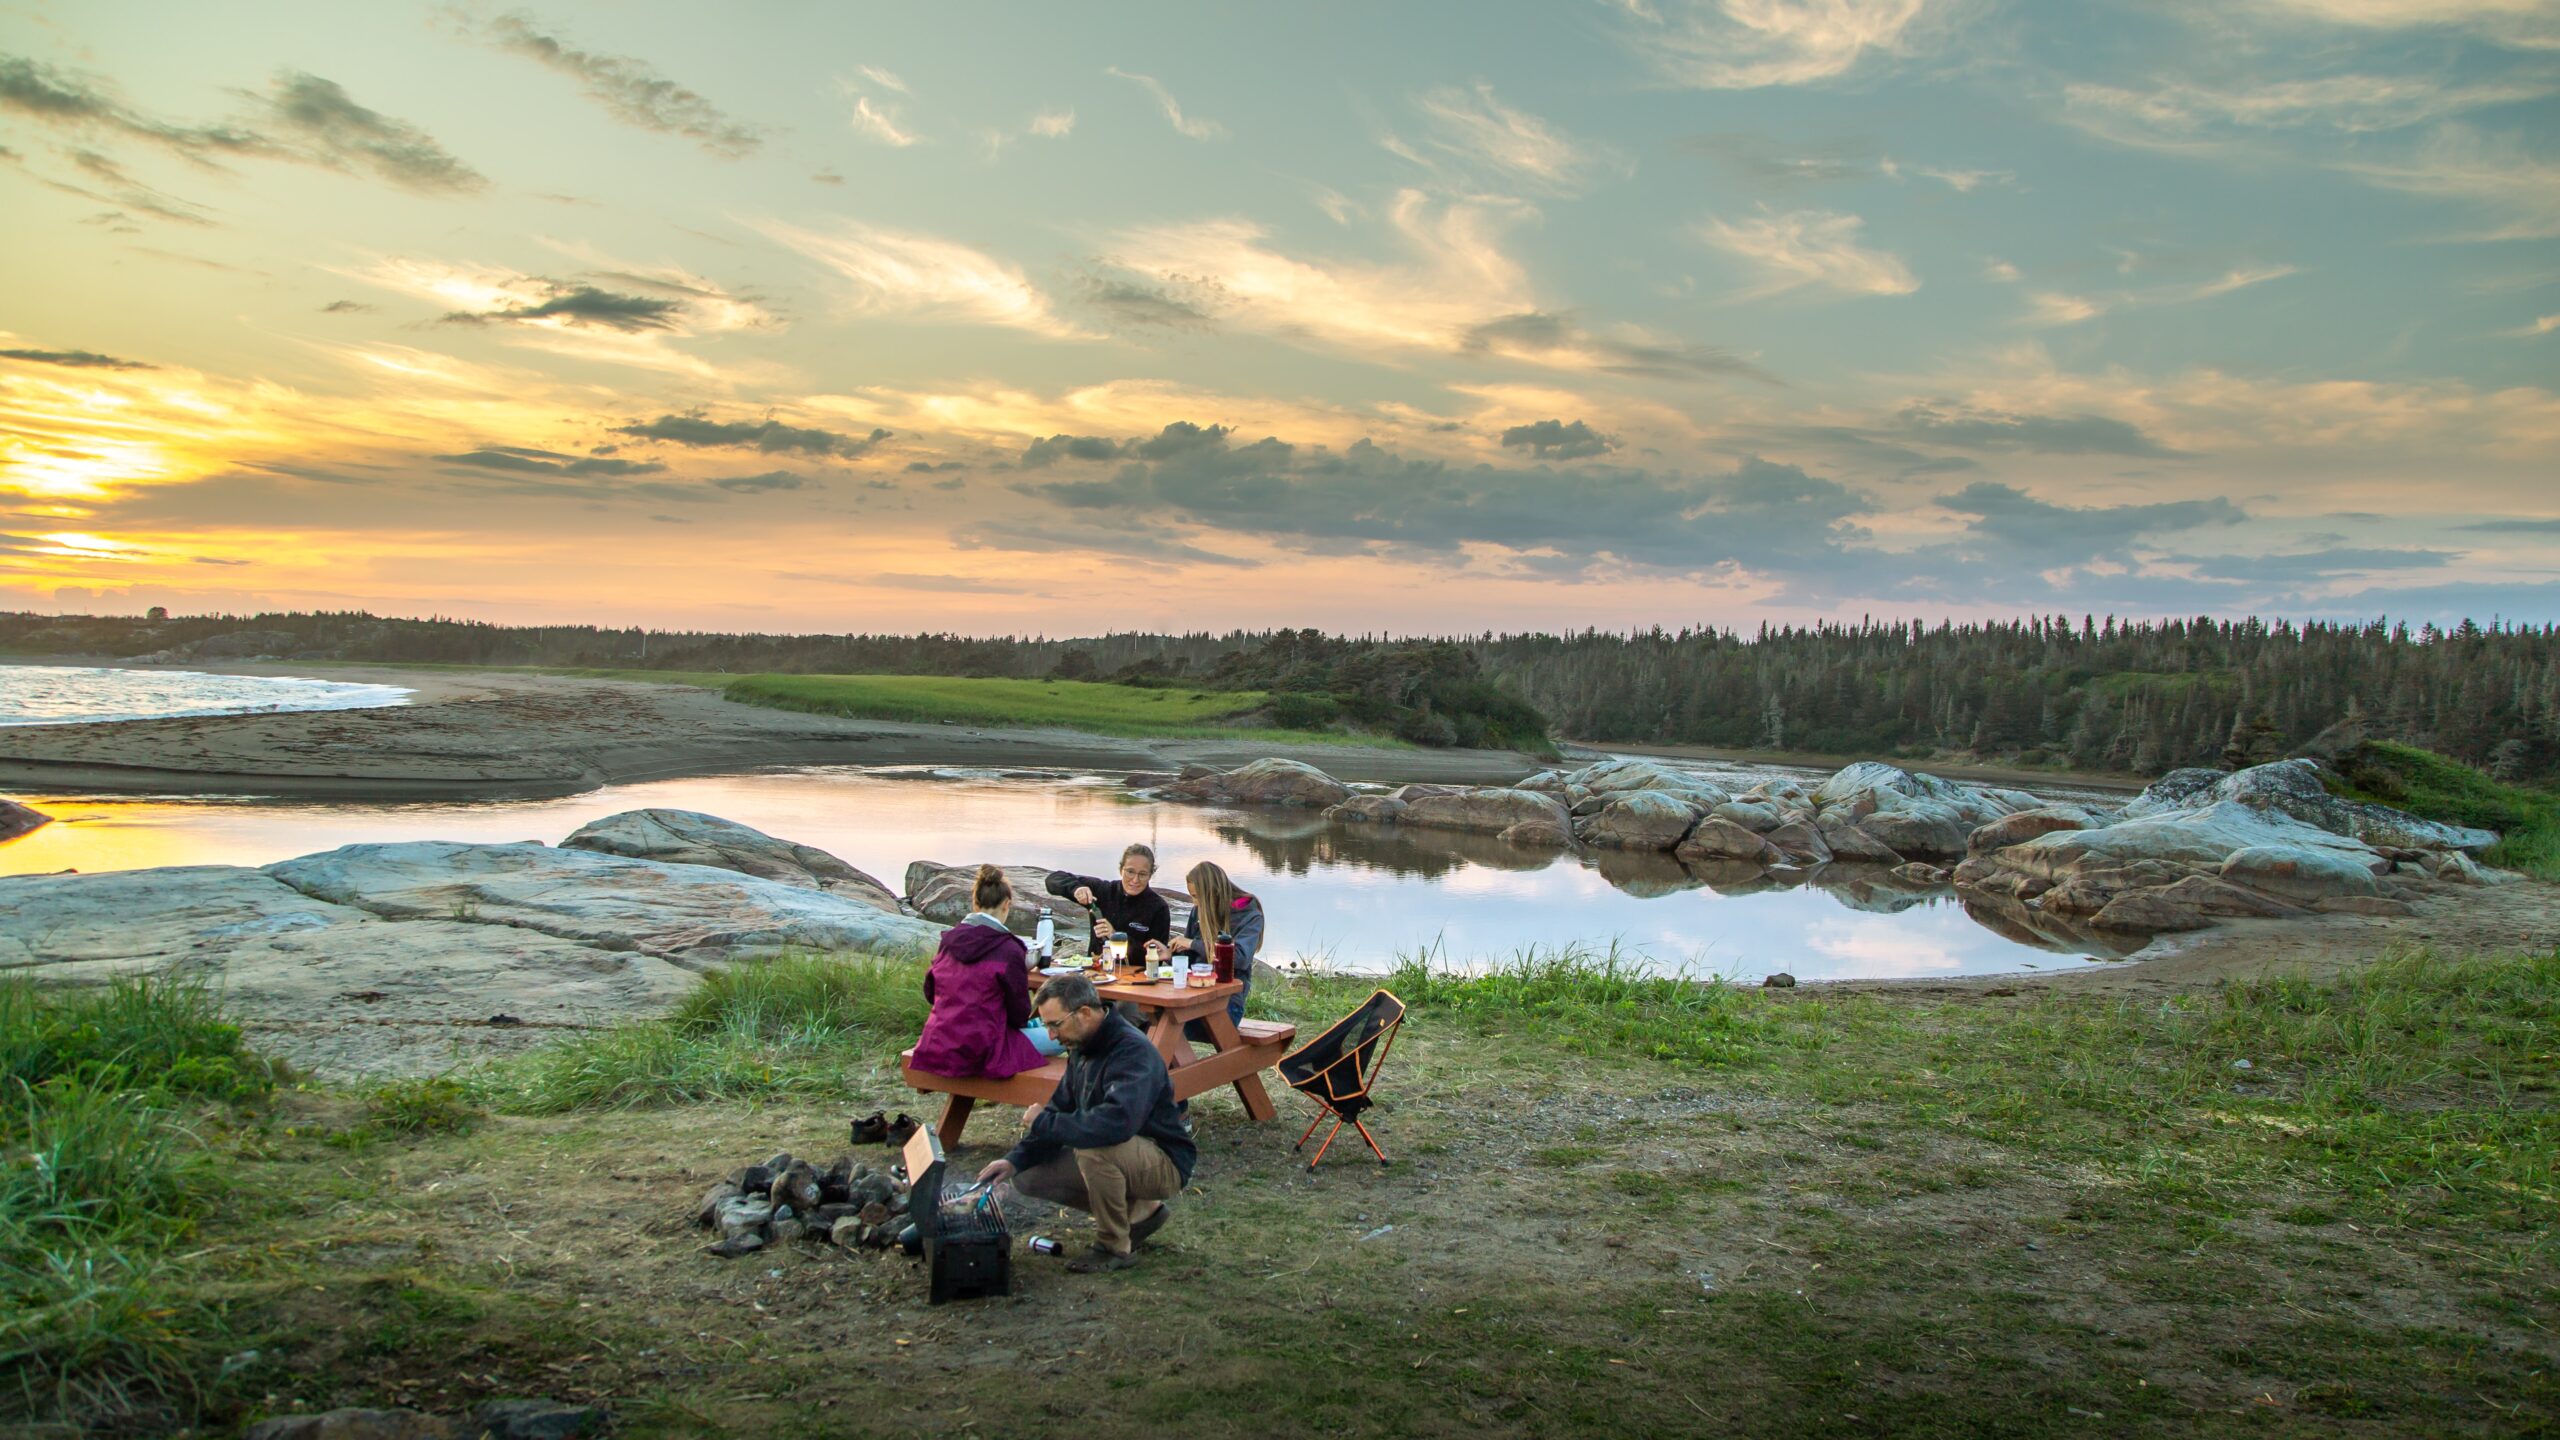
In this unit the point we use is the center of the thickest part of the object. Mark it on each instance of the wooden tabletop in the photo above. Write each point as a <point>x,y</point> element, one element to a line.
<point>1160,994</point>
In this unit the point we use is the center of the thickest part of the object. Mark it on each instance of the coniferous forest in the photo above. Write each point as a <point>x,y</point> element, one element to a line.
<point>2086,693</point>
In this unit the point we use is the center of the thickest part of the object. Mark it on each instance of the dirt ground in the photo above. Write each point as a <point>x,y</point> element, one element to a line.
<point>1563,1246</point>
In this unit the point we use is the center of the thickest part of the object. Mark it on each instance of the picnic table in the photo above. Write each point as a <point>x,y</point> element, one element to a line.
<point>1239,1054</point>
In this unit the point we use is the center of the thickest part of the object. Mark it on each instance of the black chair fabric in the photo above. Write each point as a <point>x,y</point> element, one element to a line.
<point>1334,1068</point>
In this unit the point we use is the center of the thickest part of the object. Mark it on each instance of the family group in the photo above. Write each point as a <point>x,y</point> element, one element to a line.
<point>1112,1139</point>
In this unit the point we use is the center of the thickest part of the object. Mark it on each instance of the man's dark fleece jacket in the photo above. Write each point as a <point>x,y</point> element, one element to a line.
<point>1115,1088</point>
<point>1142,917</point>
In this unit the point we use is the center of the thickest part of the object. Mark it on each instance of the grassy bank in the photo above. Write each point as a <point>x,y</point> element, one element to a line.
<point>1124,711</point>
<point>1622,1205</point>
<point>2430,785</point>
<point>1062,704</point>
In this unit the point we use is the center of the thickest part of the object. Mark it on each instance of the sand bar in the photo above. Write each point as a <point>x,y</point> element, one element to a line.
<point>486,734</point>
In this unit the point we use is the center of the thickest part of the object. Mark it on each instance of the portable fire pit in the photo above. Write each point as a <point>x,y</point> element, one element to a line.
<point>968,1252</point>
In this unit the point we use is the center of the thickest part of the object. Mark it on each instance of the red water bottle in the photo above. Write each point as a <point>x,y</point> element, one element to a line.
<point>1222,959</point>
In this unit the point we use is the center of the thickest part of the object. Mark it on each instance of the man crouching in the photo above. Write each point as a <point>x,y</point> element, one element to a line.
<point>1110,1140</point>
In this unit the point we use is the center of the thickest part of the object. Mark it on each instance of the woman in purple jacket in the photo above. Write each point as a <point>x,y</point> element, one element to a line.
<point>980,991</point>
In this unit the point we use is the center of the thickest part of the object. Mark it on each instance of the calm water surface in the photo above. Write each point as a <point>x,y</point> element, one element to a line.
<point>64,694</point>
<point>1353,897</point>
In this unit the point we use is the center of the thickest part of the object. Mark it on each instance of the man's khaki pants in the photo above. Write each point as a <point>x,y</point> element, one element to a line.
<point>1107,1183</point>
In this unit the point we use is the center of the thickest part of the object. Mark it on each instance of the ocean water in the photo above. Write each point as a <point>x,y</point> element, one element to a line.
<point>1352,897</point>
<point>71,694</point>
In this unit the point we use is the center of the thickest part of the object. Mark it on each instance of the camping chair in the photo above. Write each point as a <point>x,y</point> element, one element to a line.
<point>1336,1069</point>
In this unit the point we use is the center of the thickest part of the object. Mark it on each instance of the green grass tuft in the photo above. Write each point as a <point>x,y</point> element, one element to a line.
<point>101,1171</point>
<point>1603,1002</point>
<point>794,1025</point>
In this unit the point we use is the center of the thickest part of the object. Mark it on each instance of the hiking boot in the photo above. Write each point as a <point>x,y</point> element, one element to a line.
<point>1139,1232</point>
<point>871,1129</point>
<point>1098,1259</point>
<point>901,1130</point>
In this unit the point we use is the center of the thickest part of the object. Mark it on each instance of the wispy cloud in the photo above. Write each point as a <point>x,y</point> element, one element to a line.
<point>1454,291</point>
<point>1191,125</point>
<point>876,123</point>
<point>630,90</point>
<point>885,79</point>
<point>2048,308</point>
<point>904,273</point>
<point>1455,277</point>
<point>1753,44</point>
<point>1801,248</point>
<point>2181,115</point>
<point>1479,131</point>
<point>1963,182</point>
<point>2542,325</point>
<point>1046,125</point>
<point>2519,189</point>
<point>2528,24</point>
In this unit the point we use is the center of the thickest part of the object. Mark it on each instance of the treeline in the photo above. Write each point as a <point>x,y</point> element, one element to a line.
<point>2086,693</point>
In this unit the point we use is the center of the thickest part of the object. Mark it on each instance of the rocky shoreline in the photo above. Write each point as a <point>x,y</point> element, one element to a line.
<point>406,957</point>
<point>2195,849</point>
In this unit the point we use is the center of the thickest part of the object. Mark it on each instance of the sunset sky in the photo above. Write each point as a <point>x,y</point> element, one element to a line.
<point>1416,317</point>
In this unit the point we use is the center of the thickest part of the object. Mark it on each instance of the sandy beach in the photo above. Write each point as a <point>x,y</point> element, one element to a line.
<point>486,734</point>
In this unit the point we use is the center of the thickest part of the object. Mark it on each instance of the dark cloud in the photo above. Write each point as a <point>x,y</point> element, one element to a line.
<point>2508,527</point>
<point>629,89</point>
<point>56,97</point>
<point>1762,158</point>
<point>2311,566</point>
<point>1555,439</point>
<point>2522,602</point>
<point>345,307</point>
<point>518,460</point>
<point>1369,500</point>
<point>310,119</point>
<point>1068,447</point>
<point>341,132</point>
<point>770,480</point>
<point>75,359</point>
<point>1048,537</point>
<point>220,560</point>
<point>1555,339</point>
<point>1136,303</point>
<point>1184,438</point>
<point>770,436</point>
<point>1965,429</point>
<point>2020,526</point>
<point>947,584</point>
<point>934,467</point>
<point>583,305</point>
<point>954,483</point>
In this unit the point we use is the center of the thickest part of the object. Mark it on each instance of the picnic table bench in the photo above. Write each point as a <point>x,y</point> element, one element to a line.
<point>1242,1051</point>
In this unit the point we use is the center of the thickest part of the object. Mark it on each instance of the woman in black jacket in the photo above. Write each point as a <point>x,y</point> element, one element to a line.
<point>1128,906</point>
